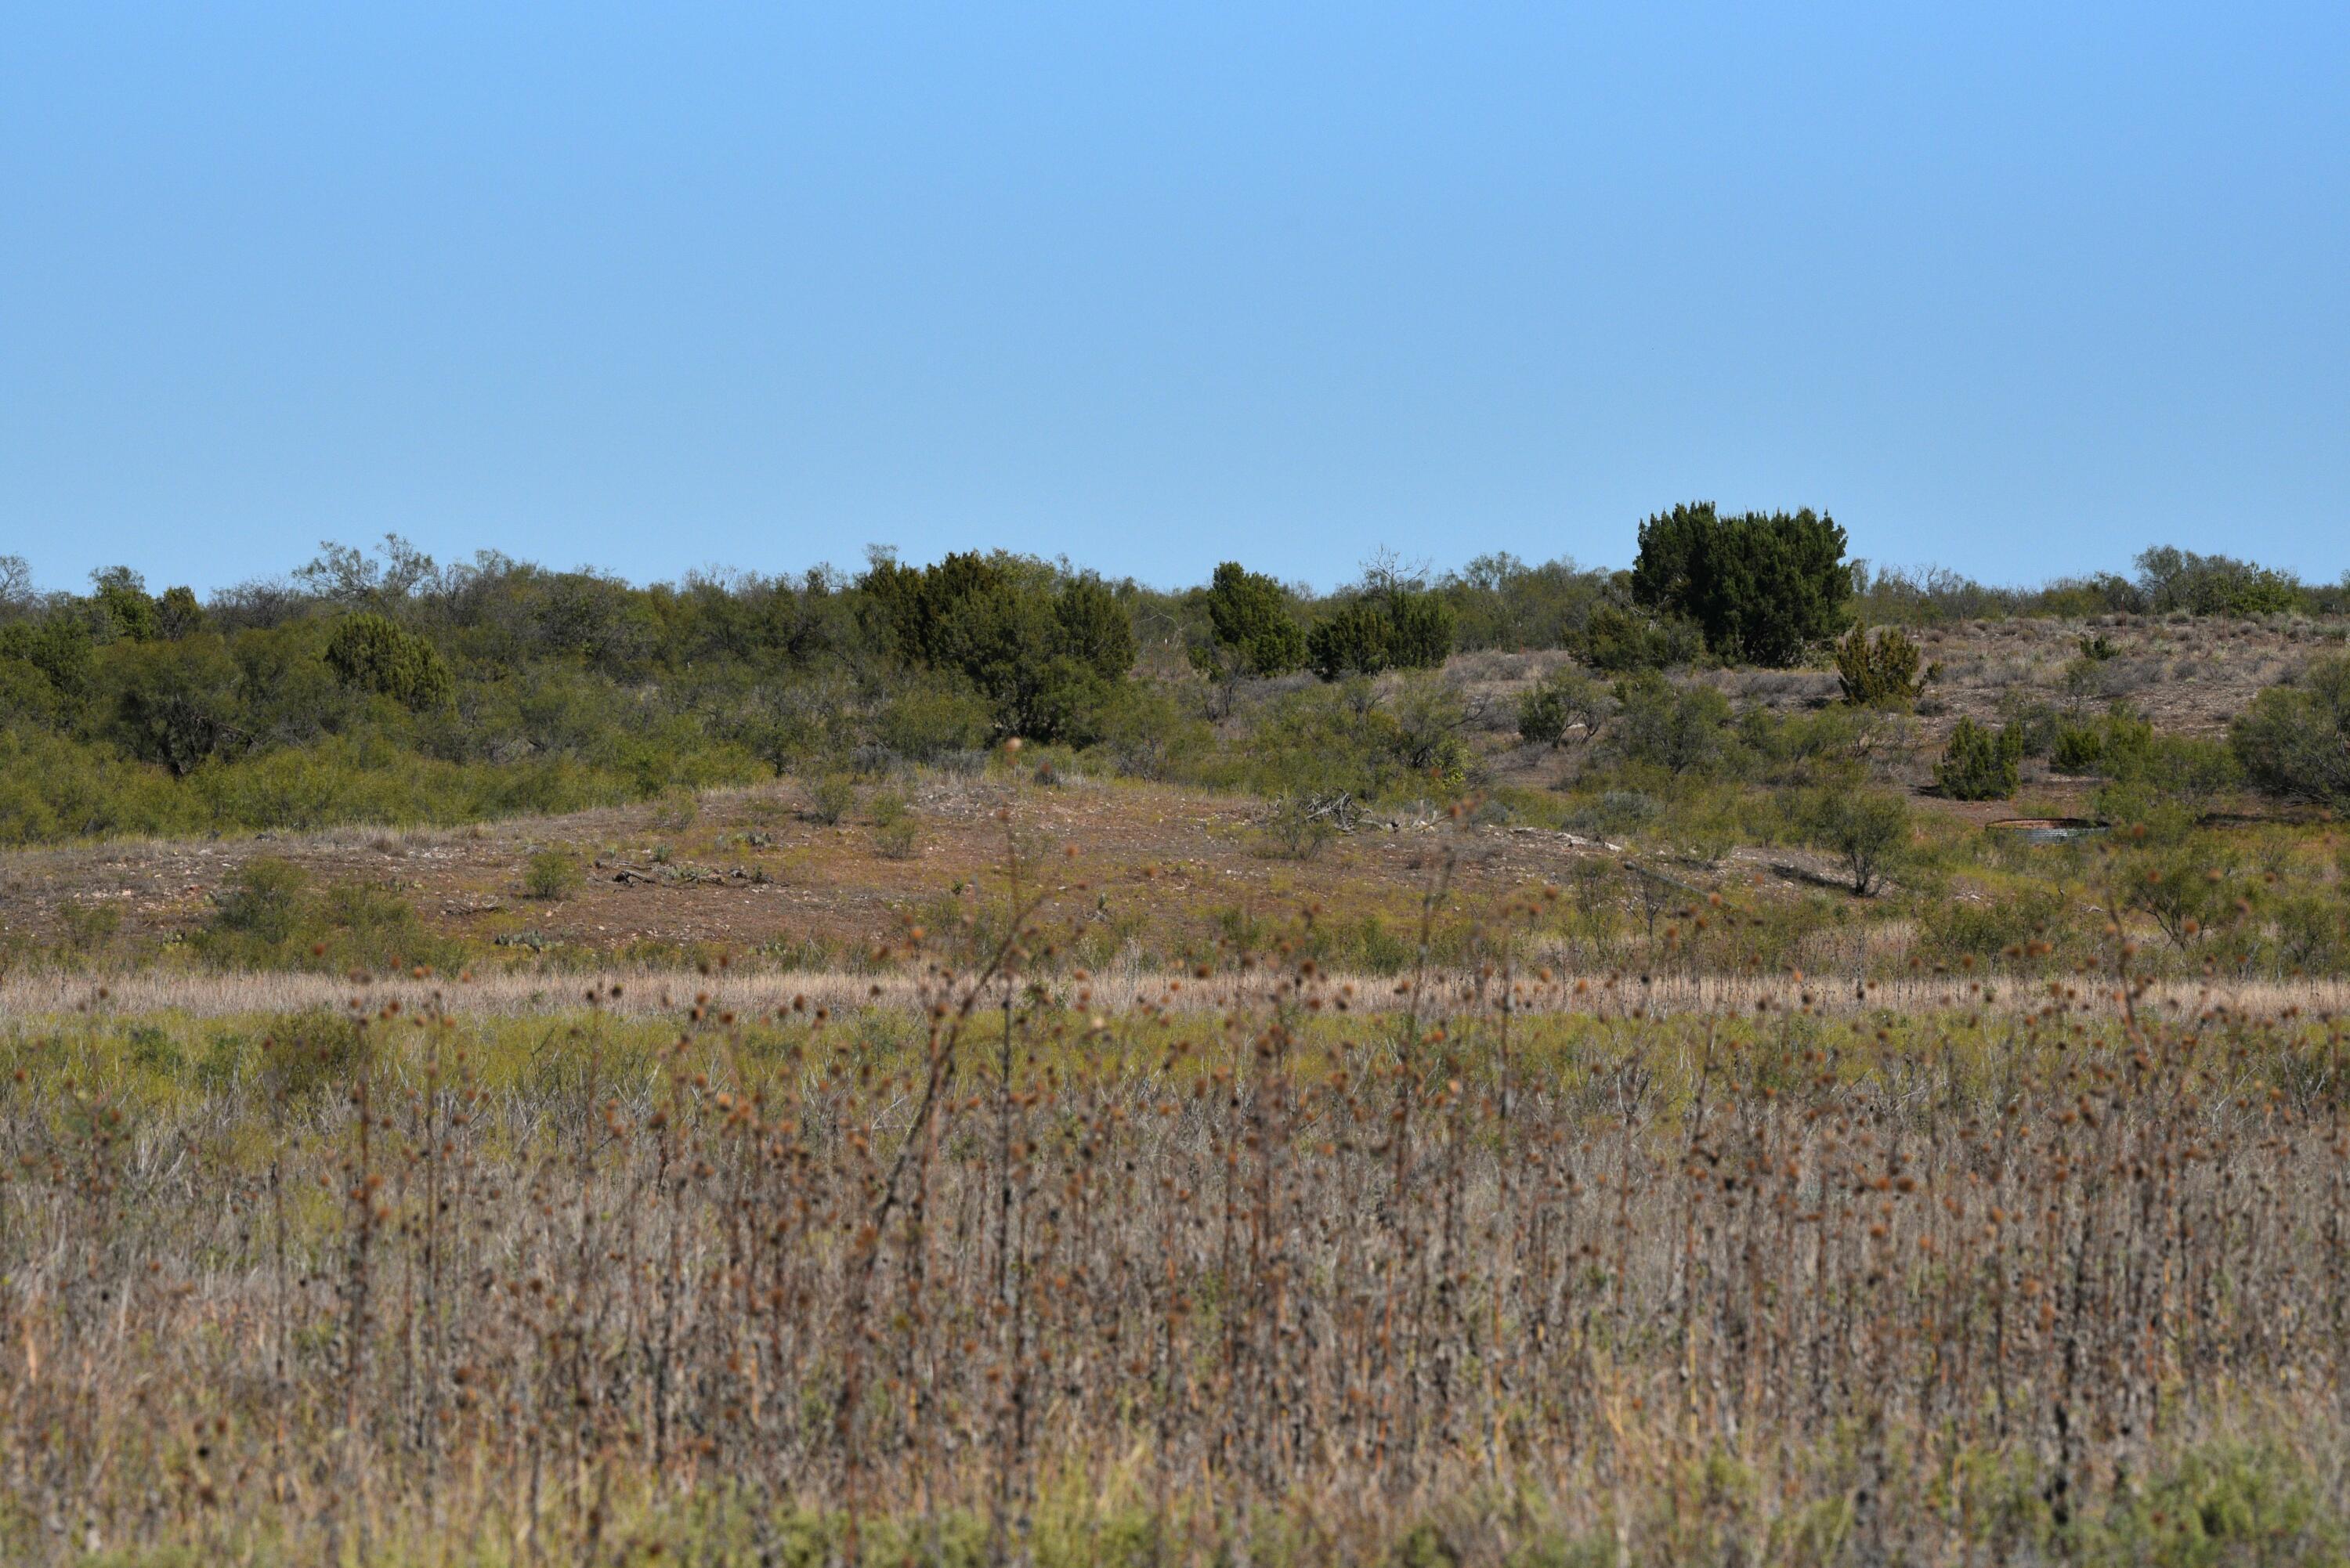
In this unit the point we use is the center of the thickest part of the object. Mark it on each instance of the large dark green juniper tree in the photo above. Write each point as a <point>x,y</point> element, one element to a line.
<point>1762,585</point>
<point>1045,653</point>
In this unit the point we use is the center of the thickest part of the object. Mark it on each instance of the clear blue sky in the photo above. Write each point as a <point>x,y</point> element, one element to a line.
<point>2014,288</point>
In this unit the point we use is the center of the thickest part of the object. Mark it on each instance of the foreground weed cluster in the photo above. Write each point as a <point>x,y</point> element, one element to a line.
<point>1432,1275</point>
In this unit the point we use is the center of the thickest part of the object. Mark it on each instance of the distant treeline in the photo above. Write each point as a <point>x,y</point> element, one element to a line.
<point>384,686</point>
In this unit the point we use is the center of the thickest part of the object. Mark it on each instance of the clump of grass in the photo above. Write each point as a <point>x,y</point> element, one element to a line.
<point>894,829</point>
<point>831,798</point>
<point>676,809</point>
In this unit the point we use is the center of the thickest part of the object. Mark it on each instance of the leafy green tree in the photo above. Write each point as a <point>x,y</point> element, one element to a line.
<point>2170,578</point>
<point>1761,585</point>
<point>1350,640</point>
<point>17,594</point>
<point>59,651</point>
<point>1091,627</point>
<point>178,615</point>
<point>799,722</point>
<point>1499,601</point>
<point>176,703</point>
<point>369,652</point>
<point>124,607</point>
<point>1047,657</point>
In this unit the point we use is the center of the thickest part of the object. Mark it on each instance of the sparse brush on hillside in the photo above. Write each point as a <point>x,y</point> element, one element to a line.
<point>389,689</point>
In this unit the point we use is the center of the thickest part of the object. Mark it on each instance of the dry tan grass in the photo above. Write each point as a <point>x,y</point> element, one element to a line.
<point>30,999</point>
<point>1239,1288</point>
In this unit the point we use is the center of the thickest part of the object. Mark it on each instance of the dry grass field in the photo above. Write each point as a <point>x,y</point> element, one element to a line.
<point>1003,1275</point>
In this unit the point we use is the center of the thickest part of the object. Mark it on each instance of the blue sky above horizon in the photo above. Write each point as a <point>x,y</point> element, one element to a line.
<point>2018,290</point>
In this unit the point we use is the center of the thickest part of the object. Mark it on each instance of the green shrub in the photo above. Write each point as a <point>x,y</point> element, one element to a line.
<point>1317,742</point>
<point>1615,813</point>
<point>1296,827</point>
<point>2078,748</point>
<point>894,831</point>
<point>90,926</point>
<point>373,654</point>
<point>1979,764</point>
<point>1149,731</point>
<point>1879,672</point>
<point>2164,782</point>
<point>829,798</point>
<point>263,902</point>
<point>1679,729</point>
<point>2175,579</point>
<point>1562,700</point>
<point>1619,641</point>
<point>2002,929</point>
<point>1866,831</point>
<point>1426,737</point>
<point>2294,740</point>
<point>675,809</point>
<point>2314,933</point>
<point>1397,628</point>
<point>552,873</point>
<point>2035,722</point>
<point>311,1052</point>
<point>2183,888</point>
<point>929,721</point>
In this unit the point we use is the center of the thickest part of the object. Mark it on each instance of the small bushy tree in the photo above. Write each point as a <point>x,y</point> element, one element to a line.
<point>372,653</point>
<point>1979,764</point>
<point>1866,830</point>
<point>1879,672</point>
<point>1679,729</point>
<point>2170,578</point>
<point>1620,641</point>
<point>1399,628</point>
<point>1563,700</point>
<point>176,703</point>
<point>1046,651</point>
<point>1250,631</point>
